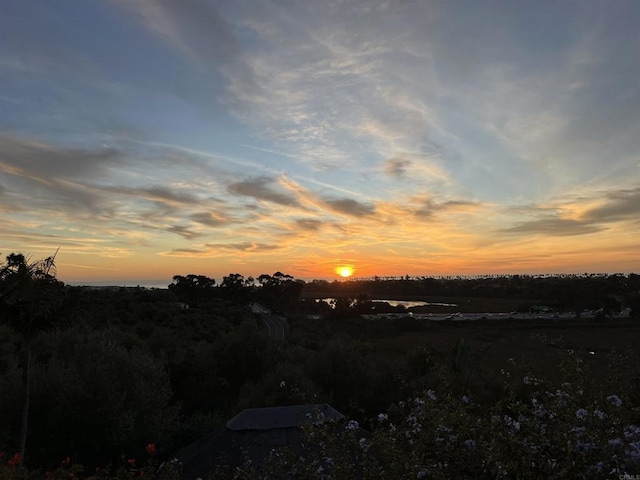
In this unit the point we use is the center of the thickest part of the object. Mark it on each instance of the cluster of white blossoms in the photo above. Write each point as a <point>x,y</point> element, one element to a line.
<point>444,434</point>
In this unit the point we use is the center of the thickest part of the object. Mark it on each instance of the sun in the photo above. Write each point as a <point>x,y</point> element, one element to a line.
<point>344,270</point>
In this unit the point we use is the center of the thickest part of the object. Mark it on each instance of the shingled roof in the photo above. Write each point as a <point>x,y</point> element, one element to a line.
<point>253,433</point>
<point>283,417</point>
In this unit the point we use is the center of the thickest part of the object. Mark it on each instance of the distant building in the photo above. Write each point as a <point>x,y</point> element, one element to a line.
<point>253,434</point>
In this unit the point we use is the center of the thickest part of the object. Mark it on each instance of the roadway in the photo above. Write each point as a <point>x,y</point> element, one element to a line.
<point>276,325</point>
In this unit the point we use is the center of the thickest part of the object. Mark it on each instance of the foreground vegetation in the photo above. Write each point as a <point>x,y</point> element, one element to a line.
<point>113,371</point>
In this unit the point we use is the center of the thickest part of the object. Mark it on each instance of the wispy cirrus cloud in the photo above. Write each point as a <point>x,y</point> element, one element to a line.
<point>223,249</point>
<point>435,136</point>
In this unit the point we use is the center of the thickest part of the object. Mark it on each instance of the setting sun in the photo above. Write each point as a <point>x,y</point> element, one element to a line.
<point>344,270</point>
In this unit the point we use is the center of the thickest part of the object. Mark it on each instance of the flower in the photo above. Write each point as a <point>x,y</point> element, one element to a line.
<point>422,474</point>
<point>431,394</point>
<point>15,460</point>
<point>150,448</point>
<point>282,384</point>
<point>600,414</point>
<point>631,431</point>
<point>615,442</point>
<point>470,443</point>
<point>465,399</point>
<point>131,461</point>
<point>383,417</point>
<point>614,400</point>
<point>581,414</point>
<point>352,425</point>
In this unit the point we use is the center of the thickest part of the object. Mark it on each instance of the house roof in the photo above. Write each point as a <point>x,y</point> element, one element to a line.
<point>282,417</point>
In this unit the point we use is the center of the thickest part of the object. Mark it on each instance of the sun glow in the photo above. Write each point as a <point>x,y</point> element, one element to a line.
<point>344,270</point>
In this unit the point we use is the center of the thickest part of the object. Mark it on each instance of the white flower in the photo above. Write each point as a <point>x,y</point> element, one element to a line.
<point>615,400</point>
<point>282,384</point>
<point>600,414</point>
<point>383,417</point>
<point>631,431</point>
<point>615,442</point>
<point>431,394</point>
<point>352,425</point>
<point>470,444</point>
<point>581,414</point>
<point>422,474</point>
<point>465,399</point>
<point>526,380</point>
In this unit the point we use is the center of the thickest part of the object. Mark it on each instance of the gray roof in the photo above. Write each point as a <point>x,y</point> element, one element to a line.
<point>282,417</point>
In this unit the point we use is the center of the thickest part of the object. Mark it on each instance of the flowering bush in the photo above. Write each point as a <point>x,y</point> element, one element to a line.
<point>536,430</point>
<point>128,469</point>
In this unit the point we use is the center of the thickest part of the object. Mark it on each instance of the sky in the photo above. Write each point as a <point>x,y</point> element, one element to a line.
<point>147,139</point>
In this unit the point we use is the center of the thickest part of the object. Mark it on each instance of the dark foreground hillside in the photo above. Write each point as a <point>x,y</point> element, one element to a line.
<point>119,376</point>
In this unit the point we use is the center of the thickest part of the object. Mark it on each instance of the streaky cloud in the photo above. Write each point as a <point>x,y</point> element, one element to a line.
<point>552,226</point>
<point>350,207</point>
<point>260,189</point>
<point>620,205</point>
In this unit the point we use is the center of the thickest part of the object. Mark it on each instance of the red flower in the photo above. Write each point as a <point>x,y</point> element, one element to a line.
<point>14,461</point>
<point>151,448</point>
<point>131,461</point>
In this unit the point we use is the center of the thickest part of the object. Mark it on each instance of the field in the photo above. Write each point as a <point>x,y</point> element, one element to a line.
<point>539,345</point>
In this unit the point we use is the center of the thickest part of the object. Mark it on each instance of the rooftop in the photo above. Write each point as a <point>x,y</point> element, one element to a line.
<point>282,417</point>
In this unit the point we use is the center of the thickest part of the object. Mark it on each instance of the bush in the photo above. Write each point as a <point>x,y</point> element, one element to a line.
<point>537,430</point>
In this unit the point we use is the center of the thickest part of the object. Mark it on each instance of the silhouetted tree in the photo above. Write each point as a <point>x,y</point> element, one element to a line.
<point>235,287</point>
<point>193,288</point>
<point>279,291</point>
<point>31,299</point>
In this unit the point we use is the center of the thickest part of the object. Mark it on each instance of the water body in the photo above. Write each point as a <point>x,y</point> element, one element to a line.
<point>397,303</point>
<point>409,304</point>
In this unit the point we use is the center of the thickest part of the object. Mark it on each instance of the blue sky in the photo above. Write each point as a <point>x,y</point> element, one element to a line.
<point>153,138</point>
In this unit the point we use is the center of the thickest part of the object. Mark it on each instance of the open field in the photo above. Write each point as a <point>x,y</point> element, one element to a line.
<point>533,345</point>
